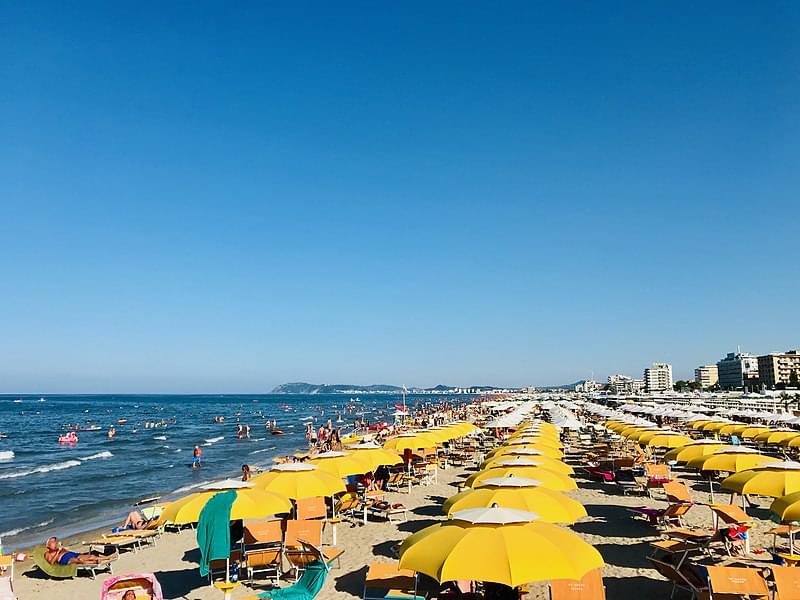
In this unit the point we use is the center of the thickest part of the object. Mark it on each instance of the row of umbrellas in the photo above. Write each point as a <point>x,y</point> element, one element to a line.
<point>505,526</point>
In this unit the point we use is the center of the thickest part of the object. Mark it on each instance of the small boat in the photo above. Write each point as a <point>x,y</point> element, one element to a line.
<point>276,431</point>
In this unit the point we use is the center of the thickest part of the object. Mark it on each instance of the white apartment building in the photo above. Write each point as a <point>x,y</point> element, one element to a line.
<point>622,384</point>
<point>658,378</point>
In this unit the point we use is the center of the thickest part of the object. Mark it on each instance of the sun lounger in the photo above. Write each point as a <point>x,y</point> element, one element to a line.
<point>263,549</point>
<point>603,474</point>
<point>350,506</point>
<point>300,535</point>
<point>672,516</point>
<point>394,513</point>
<point>627,482</point>
<point>67,571</point>
<point>787,583</point>
<point>736,582</point>
<point>312,508</point>
<point>305,588</point>
<point>677,491</point>
<point>589,588</point>
<point>386,581</point>
<point>116,542</point>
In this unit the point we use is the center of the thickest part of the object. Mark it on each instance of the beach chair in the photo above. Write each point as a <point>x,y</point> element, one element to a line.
<point>736,582</point>
<point>737,523</point>
<point>672,516</point>
<point>627,483</point>
<point>144,585</point>
<point>263,549</point>
<point>787,582</point>
<point>312,508</point>
<point>386,581</point>
<point>299,536</point>
<point>349,505</point>
<point>677,491</point>
<point>684,577</point>
<point>657,475</point>
<point>116,542</point>
<point>590,587</point>
<point>307,586</point>
<point>67,571</point>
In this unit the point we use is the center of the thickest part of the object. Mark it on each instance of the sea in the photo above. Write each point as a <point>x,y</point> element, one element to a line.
<point>49,488</point>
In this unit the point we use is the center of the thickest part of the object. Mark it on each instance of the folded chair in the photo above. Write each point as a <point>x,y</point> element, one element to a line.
<point>263,549</point>
<point>677,491</point>
<point>736,582</point>
<point>312,508</point>
<point>386,581</point>
<point>684,577</point>
<point>589,588</point>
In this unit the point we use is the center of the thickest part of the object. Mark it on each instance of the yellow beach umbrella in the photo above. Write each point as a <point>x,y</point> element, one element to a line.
<point>250,503</point>
<point>787,508</point>
<point>774,479</point>
<point>700,423</point>
<point>298,481</point>
<point>498,545</point>
<point>527,449</point>
<point>694,449</point>
<point>506,460</point>
<point>787,441</point>
<point>753,431</point>
<point>551,506</point>
<point>716,425</point>
<point>734,429</point>
<point>464,428</point>
<point>342,464</point>
<point>547,478</point>
<point>668,440</point>
<point>634,429</point>
<point>775,436</point>
<point>376,455</point>
<point>643,435</point>
<point>411,441</point>
<point>538,441</point>
<point>537,431</point>
<point>730,461</point>
<point>616,426</point>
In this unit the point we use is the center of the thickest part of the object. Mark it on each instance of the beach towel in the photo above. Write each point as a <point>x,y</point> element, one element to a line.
<point>306,588</point>
<point>213,530</point>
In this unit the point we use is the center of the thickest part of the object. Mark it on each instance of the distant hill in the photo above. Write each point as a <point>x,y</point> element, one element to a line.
<point>332,388</point>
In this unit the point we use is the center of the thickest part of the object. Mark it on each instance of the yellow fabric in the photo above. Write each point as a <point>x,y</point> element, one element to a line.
<point>787,508</point>
<point>344,466</point>
<point>547,478</point>
<point>764,482</point>
<point>250,503</point>
<point>729,462</point>
<point>752,432</point>
<point>542,461</point>
<point>416,441</point>
<point>508,554</point>
<point>668,440</point>
<point>686,453</point>
<point>544,450</point>
<point>549,505</point>
<point>299,484</point>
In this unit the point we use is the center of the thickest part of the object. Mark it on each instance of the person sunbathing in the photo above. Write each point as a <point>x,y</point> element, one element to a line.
<point>134,521</point>
<point>56,555</point>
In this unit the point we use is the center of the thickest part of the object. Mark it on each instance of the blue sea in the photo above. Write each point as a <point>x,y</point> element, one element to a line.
<point>47,488</point>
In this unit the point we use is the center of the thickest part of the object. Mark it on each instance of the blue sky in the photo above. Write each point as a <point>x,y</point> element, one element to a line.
<point>222,197</point>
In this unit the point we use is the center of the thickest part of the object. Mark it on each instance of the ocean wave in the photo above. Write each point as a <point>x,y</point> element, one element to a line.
<point>213,440</point>
<point>6,455</point>
<point>260,451</point>
<point>11,532</point>
<point>67,464</point>
<point>160,438</point>
<point>193,486</point>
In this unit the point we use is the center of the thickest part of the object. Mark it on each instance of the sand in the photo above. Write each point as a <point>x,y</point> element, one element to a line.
<point>620,538</point>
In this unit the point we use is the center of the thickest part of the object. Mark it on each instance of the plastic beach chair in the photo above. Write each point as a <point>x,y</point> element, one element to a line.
<point>263,549</point>
<point>589,588</point>
<point>66,571</point>
<point>787,582</point>
<point>302,535</point>
<point>736,582</point>
<point>386,581</point>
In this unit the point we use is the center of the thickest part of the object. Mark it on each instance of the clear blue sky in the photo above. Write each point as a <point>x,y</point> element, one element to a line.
<point>225,196</point>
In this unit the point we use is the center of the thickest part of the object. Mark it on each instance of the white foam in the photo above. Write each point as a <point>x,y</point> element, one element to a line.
<point>186,488</point>
<point>11,532</point>
<point>160,438</point>
<point>103,454</point>
<point>67,464</point>
<point>6,455</point>
<point>214,440</point>
<point>260,451</point>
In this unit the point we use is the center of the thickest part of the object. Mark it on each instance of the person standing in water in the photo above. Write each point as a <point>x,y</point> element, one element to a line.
<point>197,455</point>
<point>240,431</point>
<point>247,431</point>
<point>246,473</point>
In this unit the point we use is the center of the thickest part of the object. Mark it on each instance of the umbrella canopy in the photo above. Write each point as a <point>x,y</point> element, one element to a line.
<point>733,429</point>
<point>250,503</point>
<point>643,435</point>
<point>411,441</point>
<point>506,460</point>
<point>668,440</point>
<point>528,450</point>
<point>551,506</point>
<point>753,431</point>
<point>535,440</point>
<point>500,547</point>
<point>298,481</point>
<point>773,479</point>
<point>775,436</point>
<point>730,462</point>
<point>693,450</point>
<point>787,508</point>
<point>376,455</point>
<point>547,478</point>
<point>342,464</point>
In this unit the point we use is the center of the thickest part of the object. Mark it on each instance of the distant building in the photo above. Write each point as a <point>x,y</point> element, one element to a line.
<point>587,386</point>
<point>706,376</point>
<point>658,378</point>
<point>779,368</point>
<point>737,371</point>
<point>622,384</point>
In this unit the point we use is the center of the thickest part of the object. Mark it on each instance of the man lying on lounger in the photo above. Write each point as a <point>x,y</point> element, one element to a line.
<point>56,555</point>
